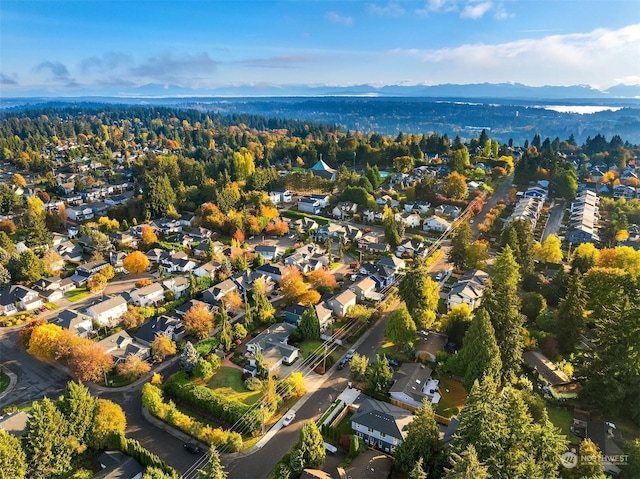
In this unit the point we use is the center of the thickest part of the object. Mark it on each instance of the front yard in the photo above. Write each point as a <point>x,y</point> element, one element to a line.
<point>77,294</point>
<point>228,382</point>
<point>316,346</point>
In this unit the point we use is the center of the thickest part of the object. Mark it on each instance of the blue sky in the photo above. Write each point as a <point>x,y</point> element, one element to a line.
<point>70,47</point>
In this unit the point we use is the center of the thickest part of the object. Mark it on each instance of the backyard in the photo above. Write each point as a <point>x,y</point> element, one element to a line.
<point>563,418</point>
<point>453,397</point>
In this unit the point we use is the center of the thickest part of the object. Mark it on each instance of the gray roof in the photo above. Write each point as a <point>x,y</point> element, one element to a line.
<point>105,306</point>
<point>410,379</point>
<point>383,417</point>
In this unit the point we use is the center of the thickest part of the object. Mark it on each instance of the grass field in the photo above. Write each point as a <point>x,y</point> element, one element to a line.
<point>311,346</point>
<point>228,382</point>
<point>77,294</point>
<point>563,419</point>
<point>4,382</point>
<point>453,401</point>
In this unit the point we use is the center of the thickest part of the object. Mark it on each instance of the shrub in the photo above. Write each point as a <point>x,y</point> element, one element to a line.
<point>253,384</point>
<point>203,370</point>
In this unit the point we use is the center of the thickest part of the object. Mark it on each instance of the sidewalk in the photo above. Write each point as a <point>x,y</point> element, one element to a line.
<point>13,379</point>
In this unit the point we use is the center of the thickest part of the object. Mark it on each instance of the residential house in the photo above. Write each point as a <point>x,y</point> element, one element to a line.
<point>393,262</point>
<point>303,225</point>
<point>86,271</point>
<point>178,285</point>
<point>167,226</point>
<point>173,328</point>
<point>330,230</point>
<point>274,271</point>
<point>268,253</point>
<point>272,343</point>
<point>344,209</point>
<point>373,242</point>
<point>380,424</point>
<point>323,198</point>
<point>527,209</point>
<point>350,234</point>
<point>178,263</point>
<point>187,219</point>
<point>365,289</point>
<point>307,258</point>
<point>216,293</point>
<point>17,297</point>
<point>184,308</point>
<point>151,295</point>
<point>309,205</point>
<point>49,289</point>
<point>324,314</point>
<point>623,191</point>
<point>120,345</point>
<point>412,248</point>
<point>108,311</point>
<point>469,289</point>
<point>200,234</point>
<point>341,302</point>
<point>386,200</point>
<point>555,380</point>
<point>583,222</point>
<point>412,384</point>
<point>383,276</point>
<point>280,196</point>
<point>207,270</point>
<point>79,324</point>
<point>410,220</point>
<point>448,210</point>
<point>371,216</point>
<point>80,213</point>
<point>69,251</point>
<point>436,223</point>
<point>536,192</point>
<point>294,312</point>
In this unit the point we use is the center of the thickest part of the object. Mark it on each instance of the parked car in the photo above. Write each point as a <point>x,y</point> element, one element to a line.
<point>438,276</point>
<point>350,354</point>
<point>192,447</point>
<point>343,362</point>
<point>288,419</point>
<point>392,362</point>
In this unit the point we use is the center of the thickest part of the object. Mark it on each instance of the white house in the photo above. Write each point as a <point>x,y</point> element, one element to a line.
<point>341,303</point>
<point>216,293</point>
<point>309,205</point>
<point>436,223</point>
<point>410,220</point>
<point>268,253</point>
<point>380,424</point>
<point>469,289</point>
<point>272,343</point>
<point>178,285</point>
<point>78,323</point>
<point>120,345</point>
<point>108,311</point>
<point>365,289</point>
<point>152,294</point>
<point>207,270</point>
<point>280,196</point>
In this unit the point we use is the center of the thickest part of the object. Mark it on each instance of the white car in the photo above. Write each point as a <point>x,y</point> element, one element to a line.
<point>288,419</point>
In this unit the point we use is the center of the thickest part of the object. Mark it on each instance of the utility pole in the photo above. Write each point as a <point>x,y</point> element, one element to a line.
<point>262,410</point>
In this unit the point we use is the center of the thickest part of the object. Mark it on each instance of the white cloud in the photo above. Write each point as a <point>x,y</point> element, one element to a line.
<point>475,10</point>
<point>598,58</point>
<point>503,14</point>
<point>338,19</point>
<point>391,9</point>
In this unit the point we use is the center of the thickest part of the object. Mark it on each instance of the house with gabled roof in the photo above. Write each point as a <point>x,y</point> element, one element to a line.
<point>178,285</point>
<point>152,294</point>
<point>413,384</point>
<point>268,252</point>
<point>173,328</point>
<point>379,424</point>
<point>272,342</point>
<point>79,324</point>
<point>274,271</point>
<point>436,223</point>
<point>120,345</point>
<point>341,302</point>
<point>216,293</point>
<point>25,298</point>
<point>108,311</point>
<point>207,270</point>
<point>323,170</point>
<point>468,289</point>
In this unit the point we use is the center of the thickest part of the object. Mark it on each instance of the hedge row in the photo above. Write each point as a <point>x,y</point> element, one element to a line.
<point>133,448</point>
<point>153,401</point>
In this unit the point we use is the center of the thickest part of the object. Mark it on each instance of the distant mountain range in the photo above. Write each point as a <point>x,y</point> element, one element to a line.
<point>477,90</point>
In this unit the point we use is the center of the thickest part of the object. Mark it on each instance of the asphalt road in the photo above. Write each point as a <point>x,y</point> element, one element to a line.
<point>261,463</point>
<point>554,221</point>
<point>500,193</point>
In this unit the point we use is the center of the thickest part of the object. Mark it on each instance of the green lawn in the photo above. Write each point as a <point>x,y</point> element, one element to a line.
<point>52,306</point>
<point>228,382</point>
<point>312,345</point>
<point>562,418</point>
<point>77,294</point>
<point>390,350</point>
<point>453,401</point>
<point>4,382</point>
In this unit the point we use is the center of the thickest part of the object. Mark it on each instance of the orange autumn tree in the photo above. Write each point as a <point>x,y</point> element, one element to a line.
<point>292,285</point>
<point>133,367</point>
<point>323,279</point>
<point>198,321</point>
<point>135,262</point>
<point>277,228</point>
<point>88,361</point>
<point>148,237</point>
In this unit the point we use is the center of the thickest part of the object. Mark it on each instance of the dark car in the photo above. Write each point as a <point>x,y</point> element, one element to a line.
<point>392,362</point>
<point>192,448</point>
<point>343,362</point>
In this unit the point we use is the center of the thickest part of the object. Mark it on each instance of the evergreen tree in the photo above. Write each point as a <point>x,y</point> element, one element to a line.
<point>158,195</point>
<point>226,332</point>
<point>12,458</point>
<point>480,355</point>
<point>422,441</point>
<point>421,295</point>
<point>309,325</point>
<point>189,357</point>
<point>379,374</point>
<point>586,468</point>
<point>78,406</point>
<point>311,446</point>
<point>47,443</point>
<point>571,315</point>
<point>393,232</point>
<point>467,466</point>
<point>500,299</point>
<point>459,243</point>
<point>214,469</point>
<point>418,471</point>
